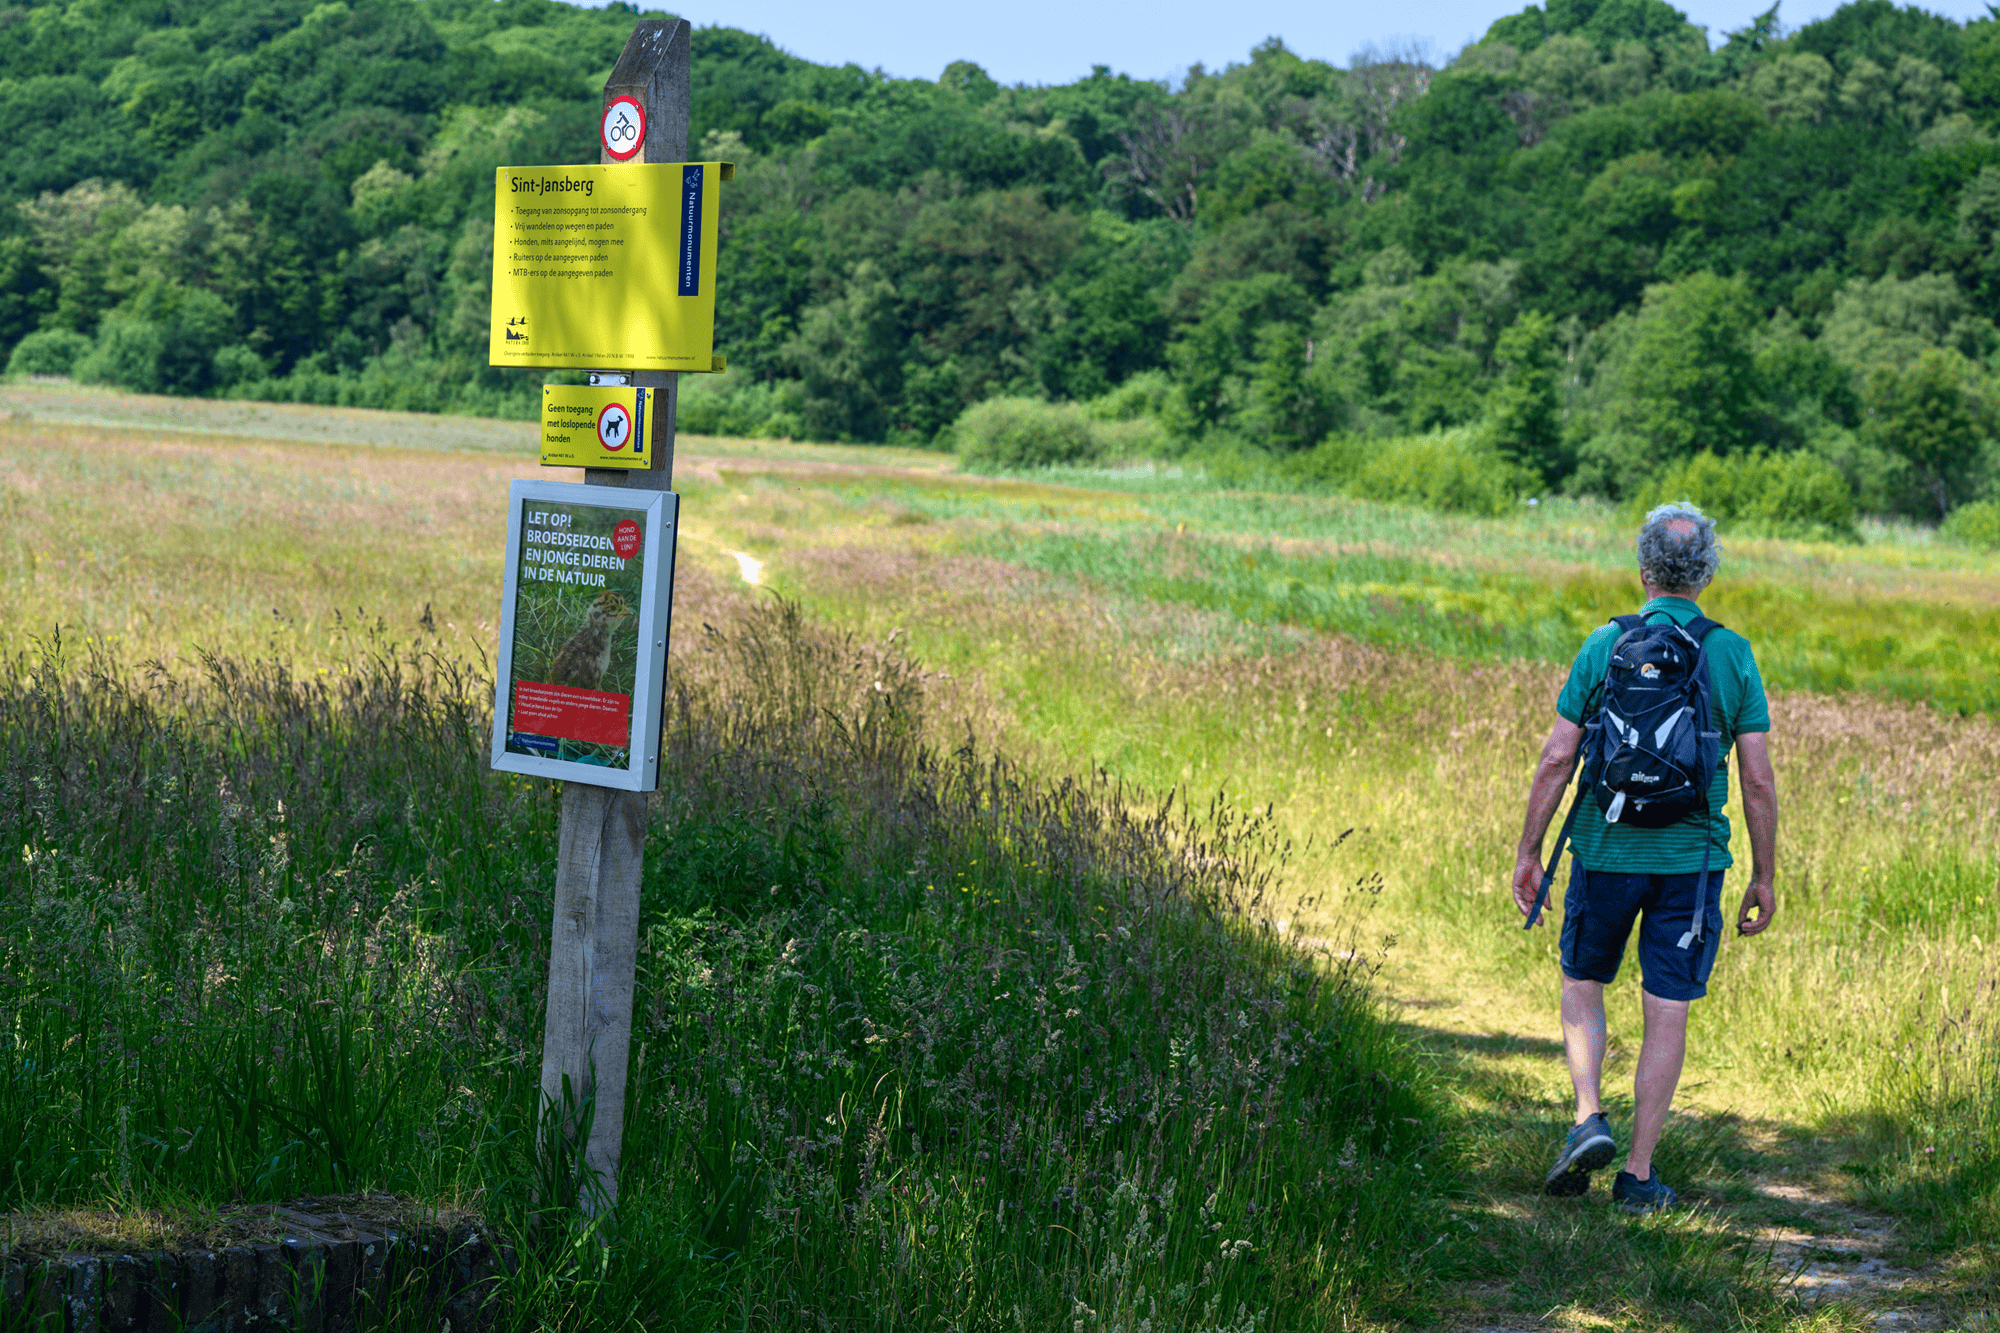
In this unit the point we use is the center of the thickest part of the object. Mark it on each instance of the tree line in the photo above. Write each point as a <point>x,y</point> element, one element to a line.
<point>1588,253</point>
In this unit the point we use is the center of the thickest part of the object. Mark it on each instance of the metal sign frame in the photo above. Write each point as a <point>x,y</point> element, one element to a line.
<point>542,550</point>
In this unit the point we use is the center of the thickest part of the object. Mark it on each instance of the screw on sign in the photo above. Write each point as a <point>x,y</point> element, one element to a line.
<point>614,426</point>
<point>625,539</point>
<point>624,129</point>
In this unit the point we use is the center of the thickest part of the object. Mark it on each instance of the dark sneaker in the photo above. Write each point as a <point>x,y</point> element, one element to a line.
<point>1588,1147</point>
<point>1633,1195</point>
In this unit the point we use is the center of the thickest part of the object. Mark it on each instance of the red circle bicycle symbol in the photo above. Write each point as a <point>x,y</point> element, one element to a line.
<point>624,129</point>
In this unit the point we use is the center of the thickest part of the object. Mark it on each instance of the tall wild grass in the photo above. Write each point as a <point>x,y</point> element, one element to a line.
<point>921,1038</point>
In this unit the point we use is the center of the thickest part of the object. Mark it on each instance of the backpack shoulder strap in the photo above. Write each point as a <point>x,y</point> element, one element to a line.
<point>1625,624</point>
<point>1699,628</point>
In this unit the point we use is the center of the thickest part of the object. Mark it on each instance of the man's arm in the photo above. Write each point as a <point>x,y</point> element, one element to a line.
<point>1760,812</point>
<point>1544,797</point>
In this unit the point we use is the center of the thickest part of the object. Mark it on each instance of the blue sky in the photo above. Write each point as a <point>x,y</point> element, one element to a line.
<point>1055,41</point>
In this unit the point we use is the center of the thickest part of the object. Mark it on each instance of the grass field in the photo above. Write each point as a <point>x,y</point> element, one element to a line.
<point>1832,1051</point>
<point>1378,680</point>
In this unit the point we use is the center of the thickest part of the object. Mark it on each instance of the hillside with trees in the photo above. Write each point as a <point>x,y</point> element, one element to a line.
<point>1587,254</point>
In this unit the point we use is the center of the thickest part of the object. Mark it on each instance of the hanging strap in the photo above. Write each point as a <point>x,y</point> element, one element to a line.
<point>1591,734</point>
<point>1698,629</point>
<point>1562,839</point>
<point>1701,885</point>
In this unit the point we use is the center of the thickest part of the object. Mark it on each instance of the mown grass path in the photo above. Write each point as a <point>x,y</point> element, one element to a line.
<point>1769,1201</point>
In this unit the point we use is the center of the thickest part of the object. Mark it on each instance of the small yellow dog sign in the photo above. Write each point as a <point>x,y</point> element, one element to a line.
<point>596,426</point>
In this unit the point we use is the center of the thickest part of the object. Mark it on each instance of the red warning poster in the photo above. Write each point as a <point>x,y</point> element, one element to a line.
<point>584,619</point>
<point>594,717</point>
<point>575,657</point>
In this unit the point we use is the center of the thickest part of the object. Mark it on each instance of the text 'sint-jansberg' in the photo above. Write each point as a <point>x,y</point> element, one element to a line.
<point>552,185</point>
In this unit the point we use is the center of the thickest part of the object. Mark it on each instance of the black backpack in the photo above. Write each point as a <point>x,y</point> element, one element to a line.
<point>1650,751</point>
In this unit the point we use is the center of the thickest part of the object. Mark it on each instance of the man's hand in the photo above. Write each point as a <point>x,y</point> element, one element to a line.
<point>1527,881</point>
<point>1758,896</point>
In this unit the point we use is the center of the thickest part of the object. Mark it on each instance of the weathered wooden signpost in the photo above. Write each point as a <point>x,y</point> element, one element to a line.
<point>609,269</point>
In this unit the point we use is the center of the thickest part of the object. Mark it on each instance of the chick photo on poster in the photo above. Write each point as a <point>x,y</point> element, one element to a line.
<point>575,655</point>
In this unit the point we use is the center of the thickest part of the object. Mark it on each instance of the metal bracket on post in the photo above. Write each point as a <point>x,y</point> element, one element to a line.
<point>594,944</point>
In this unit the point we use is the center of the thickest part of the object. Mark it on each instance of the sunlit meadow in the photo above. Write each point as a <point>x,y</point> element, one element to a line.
<point>1375,679</point>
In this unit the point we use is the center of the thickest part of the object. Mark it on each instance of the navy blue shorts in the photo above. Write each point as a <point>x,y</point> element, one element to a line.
<point>1599,909</point>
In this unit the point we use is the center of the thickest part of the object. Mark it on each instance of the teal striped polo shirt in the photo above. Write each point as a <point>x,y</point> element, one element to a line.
<point>1736,696</point>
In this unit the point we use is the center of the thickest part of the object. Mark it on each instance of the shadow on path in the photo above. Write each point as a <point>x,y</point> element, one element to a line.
<point>1764,1239</point>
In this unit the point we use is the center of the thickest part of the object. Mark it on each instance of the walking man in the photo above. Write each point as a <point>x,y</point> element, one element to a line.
<point>1667,878</point>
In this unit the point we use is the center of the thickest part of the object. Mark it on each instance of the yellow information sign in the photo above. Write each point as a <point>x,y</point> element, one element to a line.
<point>591,426</point>
<point>606,267</point>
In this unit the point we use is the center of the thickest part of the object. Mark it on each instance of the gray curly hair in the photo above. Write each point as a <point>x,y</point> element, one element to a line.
<point>1678,560</point>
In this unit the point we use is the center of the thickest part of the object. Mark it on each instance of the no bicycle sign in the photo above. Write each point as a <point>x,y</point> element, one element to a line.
<point>624,128</point>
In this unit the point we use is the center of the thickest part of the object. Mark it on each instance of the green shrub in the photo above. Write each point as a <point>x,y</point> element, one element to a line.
<point>1452,472</point>
<point>731,404</point>
<point>49,352</point>
<point>1140,437</point>
<point>1328,466</point>
<point>1125,422</point>
<point>127,355</point>
<point>1772,495</point>
<point>1976,524</point>
<point>163,339</point>
<point>781,426</point>
<point>1024,433</point>
<point>237,363</point>
<point>400,381</point>
<point>1455,471</point>
<point>1143,395</point>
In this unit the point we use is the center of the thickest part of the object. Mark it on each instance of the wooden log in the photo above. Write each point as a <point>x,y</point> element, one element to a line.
<point>202,1276</point>
<point>163,1284</point>
<point>86,1293</point>
<point>124,1293</point>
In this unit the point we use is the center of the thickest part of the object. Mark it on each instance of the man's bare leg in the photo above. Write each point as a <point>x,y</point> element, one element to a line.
<point>1583,1043</point>
<point>1659,1073</point>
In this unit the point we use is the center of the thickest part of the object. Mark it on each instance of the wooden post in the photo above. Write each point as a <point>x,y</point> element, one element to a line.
<point>594,945</point>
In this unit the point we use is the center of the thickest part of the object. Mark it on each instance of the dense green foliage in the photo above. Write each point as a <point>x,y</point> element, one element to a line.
<point>1591,240</point>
